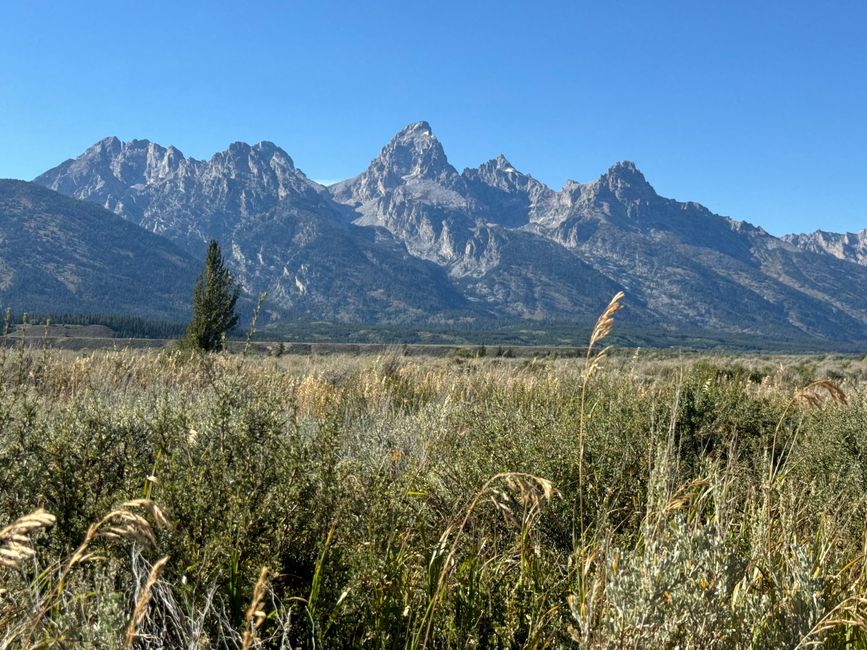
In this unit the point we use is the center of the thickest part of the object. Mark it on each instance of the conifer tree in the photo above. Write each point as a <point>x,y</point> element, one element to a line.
<point>214,298</point>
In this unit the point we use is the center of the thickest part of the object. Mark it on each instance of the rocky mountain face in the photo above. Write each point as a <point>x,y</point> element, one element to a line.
<point>281,232</point>
<point>503,195</point>
<point>411,238</point>
<point>681,265</point>
<point>694,267</point>
<point>849,246</point>
<point>465,223</point>
<point>187,199</point>
<point>62,255</point>
<point>412,191</point>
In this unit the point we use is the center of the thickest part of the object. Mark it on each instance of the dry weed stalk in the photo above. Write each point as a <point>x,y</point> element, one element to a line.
<point>690,497</point>
<point>15,543</point>
<point>849,613</point>
<point>255,615</point>
<point>591,365</point>
<point>117,524</point>
<point>141,604</point>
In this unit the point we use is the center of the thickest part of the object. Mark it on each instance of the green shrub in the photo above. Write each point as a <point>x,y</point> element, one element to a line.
<point>718,510</point>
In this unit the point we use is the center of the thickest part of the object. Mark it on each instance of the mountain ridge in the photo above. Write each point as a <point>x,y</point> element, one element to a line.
<point>849,246</point>
<point>490,241</point>
<point>60,254</point>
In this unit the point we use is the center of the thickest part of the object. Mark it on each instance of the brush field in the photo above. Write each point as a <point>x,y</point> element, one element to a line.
<point>154,499</point>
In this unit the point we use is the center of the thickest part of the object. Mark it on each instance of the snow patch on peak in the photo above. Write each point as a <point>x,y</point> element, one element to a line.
<point>421,128</point>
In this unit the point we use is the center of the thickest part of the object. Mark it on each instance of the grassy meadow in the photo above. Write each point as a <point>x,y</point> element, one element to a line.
<point>157,499</point>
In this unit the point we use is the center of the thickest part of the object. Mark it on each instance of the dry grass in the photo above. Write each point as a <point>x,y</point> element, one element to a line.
<point>692,502</point>
<point>15,543</point>
<point>255,616</point>
<point>141,603</point>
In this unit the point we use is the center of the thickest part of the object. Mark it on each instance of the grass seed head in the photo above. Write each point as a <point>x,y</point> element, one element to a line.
<point>812,394</point>
<point>141,604</point>
<point>255,615</point>
<point>606,320</point>
<point>15,543</point>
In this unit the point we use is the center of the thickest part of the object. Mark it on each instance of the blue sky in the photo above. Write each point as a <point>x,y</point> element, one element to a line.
<point>756,109</point>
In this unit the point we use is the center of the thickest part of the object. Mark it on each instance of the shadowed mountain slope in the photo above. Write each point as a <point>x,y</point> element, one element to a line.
<point>62,255</point>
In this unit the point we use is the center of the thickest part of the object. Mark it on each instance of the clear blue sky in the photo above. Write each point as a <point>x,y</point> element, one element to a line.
<point>756,109</point>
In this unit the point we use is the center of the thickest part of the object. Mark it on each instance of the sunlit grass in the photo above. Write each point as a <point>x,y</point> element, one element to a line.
<point>402,502</point>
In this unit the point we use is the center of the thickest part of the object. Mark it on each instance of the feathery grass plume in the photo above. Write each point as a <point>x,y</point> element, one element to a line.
<point>141,604</point>
<point>524,495</point>
<point>811,394</point>
<point>120,524</point>
<point>687,496</point>
<point>255,616</point>
<point>591,364</point>
<point>605,322</point>
<point>151,508</point>
<point>15,543</point>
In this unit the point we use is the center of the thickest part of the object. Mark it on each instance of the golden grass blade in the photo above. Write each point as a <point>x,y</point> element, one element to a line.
<point>255,615</point>
<point>141,605</point>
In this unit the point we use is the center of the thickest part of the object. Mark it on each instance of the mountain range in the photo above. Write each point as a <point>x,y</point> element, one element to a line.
<point>412,240</point>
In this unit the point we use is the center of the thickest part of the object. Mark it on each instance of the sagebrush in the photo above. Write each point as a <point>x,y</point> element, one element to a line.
<point>169,500</point>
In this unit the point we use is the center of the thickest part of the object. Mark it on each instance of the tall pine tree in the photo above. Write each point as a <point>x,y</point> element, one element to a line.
<point>214,298</point>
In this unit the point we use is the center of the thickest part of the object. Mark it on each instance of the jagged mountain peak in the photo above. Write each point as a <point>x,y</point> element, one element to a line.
<point>503,195</point>
<point>414,152</point>
<point>113,164</point>
<point>416,129</point>
<point>499,164</point>
<point>499,170</point>
<point>194,200</point>
<point>239,147</point>
<point>851,246</point>
<point>113,148</point>
<point>413,156</point>
<point>624,167</point>
<point>117,151</point>
<point>139,143</point>
<point>500,174</point>
<point>625,181</point>
<point>110,144</point>
<point>274,152</point>
<point>262,152</point>
<point>626,172</point>
<point>623,178</point>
